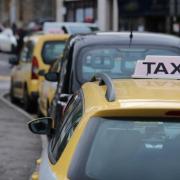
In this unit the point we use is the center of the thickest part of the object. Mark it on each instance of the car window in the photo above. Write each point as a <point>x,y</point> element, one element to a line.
<point>110,148</point>
<point>115,61</point>
<point>72,116</point>
<point>52,50</point>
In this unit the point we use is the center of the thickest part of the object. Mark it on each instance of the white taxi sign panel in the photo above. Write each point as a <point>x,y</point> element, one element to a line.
<point>158,67</point>
<point>55,31</point>
<point>53,28</point>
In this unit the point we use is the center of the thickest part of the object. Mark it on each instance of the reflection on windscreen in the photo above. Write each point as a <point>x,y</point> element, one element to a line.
<point>134,150</point>
<point>52,50</point>
<point>116,62</point>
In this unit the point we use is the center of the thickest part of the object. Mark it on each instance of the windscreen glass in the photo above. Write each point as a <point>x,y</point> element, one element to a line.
<point>131,149</point>
<point>116,62</point>
<point>52,50</point>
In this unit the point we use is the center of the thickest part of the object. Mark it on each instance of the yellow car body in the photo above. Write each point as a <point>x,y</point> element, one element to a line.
<point>46,94</point>
<point>47,91</point>
<point>133,98</point>
<point>25,78</point>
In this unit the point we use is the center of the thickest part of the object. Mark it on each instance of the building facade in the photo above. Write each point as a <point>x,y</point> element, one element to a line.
<point>26,10</point>
<point>102,12</point>
<point>119,15</point>
<point>144,15</point>
<point>110,15</point>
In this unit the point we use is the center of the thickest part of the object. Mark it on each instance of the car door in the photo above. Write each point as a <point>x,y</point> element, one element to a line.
<point>47,89</point>
<point>59,141</point>
<point>23,69</point>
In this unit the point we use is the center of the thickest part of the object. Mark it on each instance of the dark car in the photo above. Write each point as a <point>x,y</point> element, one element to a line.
<point>115,54</point>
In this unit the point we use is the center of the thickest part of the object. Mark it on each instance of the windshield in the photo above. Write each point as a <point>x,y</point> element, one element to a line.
<point>129,149</point>
<point>52,50</point>
<point>115,61</point>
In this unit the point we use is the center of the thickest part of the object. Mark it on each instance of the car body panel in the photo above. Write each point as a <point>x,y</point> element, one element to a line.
<point>47,90</point>
<point>79,42</point>
<point>46,94</point>
<point>45,167</point>
<point>21,74</point>
<point>68,82</point>
<point>134,98</point>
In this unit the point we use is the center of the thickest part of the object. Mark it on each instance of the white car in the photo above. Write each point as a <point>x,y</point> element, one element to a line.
<point>66,27</point>
<point>8,41</point>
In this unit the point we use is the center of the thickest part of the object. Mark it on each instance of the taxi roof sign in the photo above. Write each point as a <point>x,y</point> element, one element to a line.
<point>158,67</point>
<point>53,28</point>
<point>54,31</point>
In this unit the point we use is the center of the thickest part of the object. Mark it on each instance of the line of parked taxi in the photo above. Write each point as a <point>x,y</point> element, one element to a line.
<point>102,120</point>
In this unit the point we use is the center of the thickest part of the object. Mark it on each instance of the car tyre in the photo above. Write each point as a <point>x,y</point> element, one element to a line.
<point>27,101</point>
<point>13,49</point>
<point>12,97</point>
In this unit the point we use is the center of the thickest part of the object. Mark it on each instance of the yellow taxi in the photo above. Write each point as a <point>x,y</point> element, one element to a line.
<point>120,129</point>
<point>47,91</point>
<point>38,53</point>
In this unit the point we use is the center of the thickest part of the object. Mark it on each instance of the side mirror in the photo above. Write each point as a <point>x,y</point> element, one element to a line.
<point>41,126</point>
<point>41,72</point>
<point>14,60</point>
<point>52,76</point>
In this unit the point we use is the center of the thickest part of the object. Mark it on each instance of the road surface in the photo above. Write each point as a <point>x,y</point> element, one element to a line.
<point>19,148</point>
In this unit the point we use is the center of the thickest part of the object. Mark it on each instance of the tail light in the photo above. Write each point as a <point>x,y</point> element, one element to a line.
<point>35,68</point>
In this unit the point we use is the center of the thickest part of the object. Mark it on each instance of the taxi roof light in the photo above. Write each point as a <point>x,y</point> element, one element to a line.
<point>104,79</point>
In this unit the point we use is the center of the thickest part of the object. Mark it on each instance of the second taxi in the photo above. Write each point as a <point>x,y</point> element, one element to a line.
<point>37,54</point>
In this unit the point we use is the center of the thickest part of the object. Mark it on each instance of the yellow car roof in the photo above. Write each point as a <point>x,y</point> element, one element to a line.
<point>33,38</point>
<point>48,37</point>
<point>133,94</point>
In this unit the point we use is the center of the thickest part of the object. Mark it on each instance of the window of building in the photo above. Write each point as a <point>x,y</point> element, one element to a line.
<point>81,11</point>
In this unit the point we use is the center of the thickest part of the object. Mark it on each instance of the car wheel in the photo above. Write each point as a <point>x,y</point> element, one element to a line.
<point>11,93</point>
<point>27,101</point>
<point>13,49</point>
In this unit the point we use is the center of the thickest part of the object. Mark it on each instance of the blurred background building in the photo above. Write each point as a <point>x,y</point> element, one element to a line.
<point>145,15</point>
<point>26,10</point>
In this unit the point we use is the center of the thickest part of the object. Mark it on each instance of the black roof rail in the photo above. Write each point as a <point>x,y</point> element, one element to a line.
<point>104,79</point>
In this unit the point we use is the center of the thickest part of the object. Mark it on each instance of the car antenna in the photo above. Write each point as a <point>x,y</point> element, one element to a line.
<point>131,33</point>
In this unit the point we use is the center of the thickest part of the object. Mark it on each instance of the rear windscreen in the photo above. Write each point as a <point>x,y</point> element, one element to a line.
<point>127,149</point>
<point>117,62</point>
<point>52,50</point>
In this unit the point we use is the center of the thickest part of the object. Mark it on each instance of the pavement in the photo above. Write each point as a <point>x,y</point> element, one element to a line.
<point>19,148</point>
